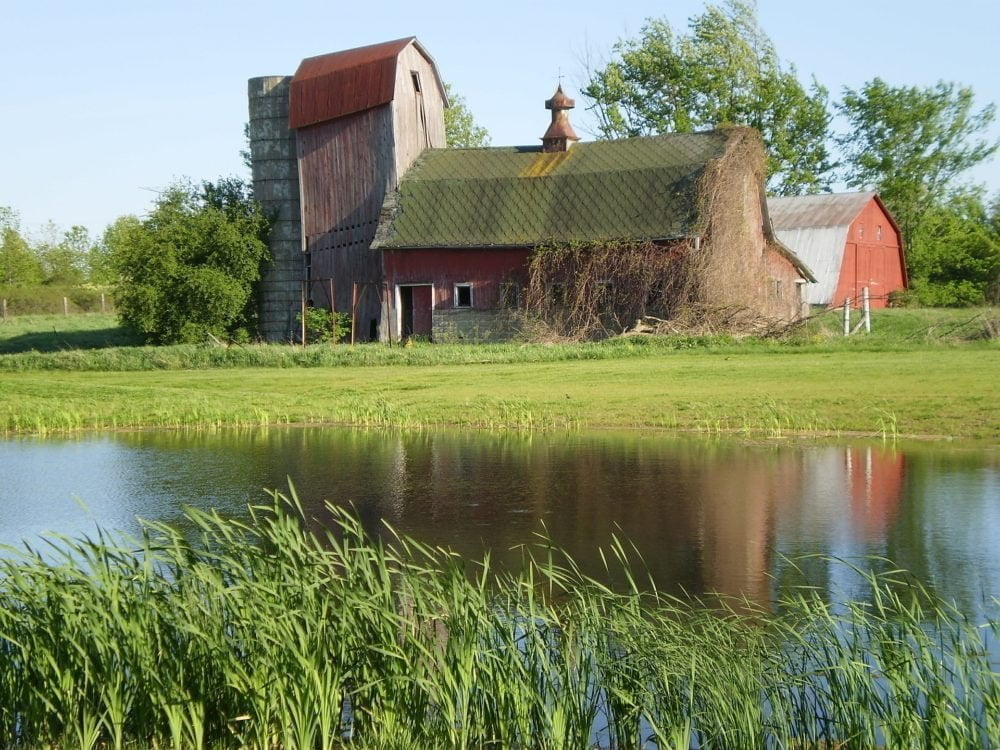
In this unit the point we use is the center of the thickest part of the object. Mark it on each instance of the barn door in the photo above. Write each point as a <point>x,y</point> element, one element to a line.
<point>415,304</point>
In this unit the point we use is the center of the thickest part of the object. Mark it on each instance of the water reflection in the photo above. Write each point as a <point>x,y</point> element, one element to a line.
<point>705,515</point>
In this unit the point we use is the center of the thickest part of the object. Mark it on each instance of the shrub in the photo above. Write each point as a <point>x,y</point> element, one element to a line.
<point>323,326</point>
<point>189,270</point>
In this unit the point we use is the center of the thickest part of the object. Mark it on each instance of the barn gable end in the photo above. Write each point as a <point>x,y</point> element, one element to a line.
<point>850,240</point>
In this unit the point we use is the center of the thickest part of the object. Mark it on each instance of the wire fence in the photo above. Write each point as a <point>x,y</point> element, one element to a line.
<point>47,301</point>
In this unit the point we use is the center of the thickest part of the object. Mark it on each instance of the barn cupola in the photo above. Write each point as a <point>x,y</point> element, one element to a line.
<point>560,135</point>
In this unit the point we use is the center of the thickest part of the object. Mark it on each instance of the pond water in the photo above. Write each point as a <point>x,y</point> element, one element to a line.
<point>706,515</point>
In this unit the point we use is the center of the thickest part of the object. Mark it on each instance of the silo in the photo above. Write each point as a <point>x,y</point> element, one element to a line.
<point>276,186</point>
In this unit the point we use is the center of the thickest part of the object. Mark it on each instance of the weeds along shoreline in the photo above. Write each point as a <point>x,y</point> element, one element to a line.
<point>262,634</point>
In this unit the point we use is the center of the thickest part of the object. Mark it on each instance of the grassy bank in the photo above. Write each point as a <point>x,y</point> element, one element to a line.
<point>928,392</point>
<point>260,635</point>
<point>921,373</point>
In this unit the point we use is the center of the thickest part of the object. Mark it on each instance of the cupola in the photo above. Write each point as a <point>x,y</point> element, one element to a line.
<point>560,135</point>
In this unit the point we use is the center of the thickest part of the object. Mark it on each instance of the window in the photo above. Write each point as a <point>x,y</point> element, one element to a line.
<point>861,231</point>
<point>878,233</point>
<point>463,295</point>
<point>415,77</point>
<point>557,295</point>
<point>777,288</point>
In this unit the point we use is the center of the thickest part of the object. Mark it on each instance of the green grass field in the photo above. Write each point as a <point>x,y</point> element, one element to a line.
<point>908,384</point>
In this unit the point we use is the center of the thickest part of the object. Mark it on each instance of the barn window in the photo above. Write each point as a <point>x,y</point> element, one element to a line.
<point>861,231</point>
<point>878,232</point>
<point>415,77</point>
<point>557,295</point>
<point>463,295</point>
<point>777,288</point>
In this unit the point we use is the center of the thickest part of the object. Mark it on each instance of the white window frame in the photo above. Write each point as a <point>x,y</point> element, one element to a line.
<point>454,299</point>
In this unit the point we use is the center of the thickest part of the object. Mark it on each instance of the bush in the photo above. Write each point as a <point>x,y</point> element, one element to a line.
<point>962,293</point>
<point>323,326</point>
<point>188,272</point>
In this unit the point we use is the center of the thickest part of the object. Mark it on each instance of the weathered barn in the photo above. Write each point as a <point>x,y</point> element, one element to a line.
<point>337,136</point>
<point>374,216</point>
<point>849,240</point>
<point>457,236</point>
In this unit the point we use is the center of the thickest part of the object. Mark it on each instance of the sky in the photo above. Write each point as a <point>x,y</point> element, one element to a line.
<point>104,103</point>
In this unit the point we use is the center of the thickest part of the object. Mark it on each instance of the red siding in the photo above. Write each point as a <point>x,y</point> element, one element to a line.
<point>872,258</point>
<point>485,269</point>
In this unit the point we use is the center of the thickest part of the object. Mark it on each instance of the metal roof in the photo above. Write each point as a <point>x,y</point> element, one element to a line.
<point>636,188</point>
<point>825,210</point>
<point>815,228</point>
<point>329,86</point>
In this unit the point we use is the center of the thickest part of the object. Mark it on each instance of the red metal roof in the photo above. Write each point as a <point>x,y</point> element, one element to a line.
<point>330,86</point>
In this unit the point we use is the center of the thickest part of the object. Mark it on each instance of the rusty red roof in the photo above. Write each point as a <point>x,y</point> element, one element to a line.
<point>330,86</point>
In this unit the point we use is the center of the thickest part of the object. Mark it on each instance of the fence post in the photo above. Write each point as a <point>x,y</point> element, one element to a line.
<point>354,310</point>
<point>65,306</point>
<point>847,316</point>
<point>3,309</point>
<point>102,303</point>
<point>867,310</point>
<point>302,311</point>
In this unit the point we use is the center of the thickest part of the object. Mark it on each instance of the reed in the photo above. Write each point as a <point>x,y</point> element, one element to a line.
<point>261,633</point>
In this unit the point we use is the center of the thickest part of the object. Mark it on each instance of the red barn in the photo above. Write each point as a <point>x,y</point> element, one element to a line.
<point>375,218</point>
<point>457,236</point>
<point>849,240</point>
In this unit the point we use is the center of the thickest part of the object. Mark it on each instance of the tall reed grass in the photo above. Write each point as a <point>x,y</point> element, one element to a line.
<point>261,633</point>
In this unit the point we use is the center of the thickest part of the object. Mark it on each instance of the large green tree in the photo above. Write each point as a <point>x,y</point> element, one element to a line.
<point>460,128</point>
<point>912,144</point>
<point>724,70</point>
<point>189,270</point>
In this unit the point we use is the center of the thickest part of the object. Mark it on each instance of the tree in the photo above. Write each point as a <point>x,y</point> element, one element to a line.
<point>19,266</point>
<point>725,70</point>
<point>955,258</point>
<point>460,128</point>
<point>189,270</point>
<point>64,260</point>
<point>912,144</point>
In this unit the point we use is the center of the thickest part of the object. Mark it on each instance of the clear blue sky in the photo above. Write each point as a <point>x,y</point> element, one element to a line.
<point>105,102</point>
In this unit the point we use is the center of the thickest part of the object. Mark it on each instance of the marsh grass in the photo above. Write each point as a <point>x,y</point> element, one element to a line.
<point>262,634</point>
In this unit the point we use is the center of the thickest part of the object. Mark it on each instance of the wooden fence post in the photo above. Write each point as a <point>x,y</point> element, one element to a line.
<point>302,311</point>
<point>866,307</point>
<point>847,316</point>
<point>3,309</point>
<point>102,303</point>
<point>354,310</point>
<point>65,306</point>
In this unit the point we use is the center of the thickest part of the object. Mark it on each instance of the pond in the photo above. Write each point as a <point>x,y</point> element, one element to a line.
<point>705,515</point>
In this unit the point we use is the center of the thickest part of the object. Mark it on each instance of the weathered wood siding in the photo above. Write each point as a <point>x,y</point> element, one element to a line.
<point>485,270</point>
<point>345,167</point>
<point>418,117</point>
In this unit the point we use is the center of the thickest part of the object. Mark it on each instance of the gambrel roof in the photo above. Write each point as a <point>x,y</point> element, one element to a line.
<point>636,188</point>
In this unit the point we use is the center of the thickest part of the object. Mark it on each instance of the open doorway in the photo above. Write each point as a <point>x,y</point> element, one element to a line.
<point>416,302</point>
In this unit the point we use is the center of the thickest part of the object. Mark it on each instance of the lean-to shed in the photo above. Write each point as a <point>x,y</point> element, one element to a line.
<point>848,240</point>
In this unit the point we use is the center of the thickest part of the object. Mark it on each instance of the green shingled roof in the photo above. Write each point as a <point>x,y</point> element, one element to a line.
<point>637,188</point>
